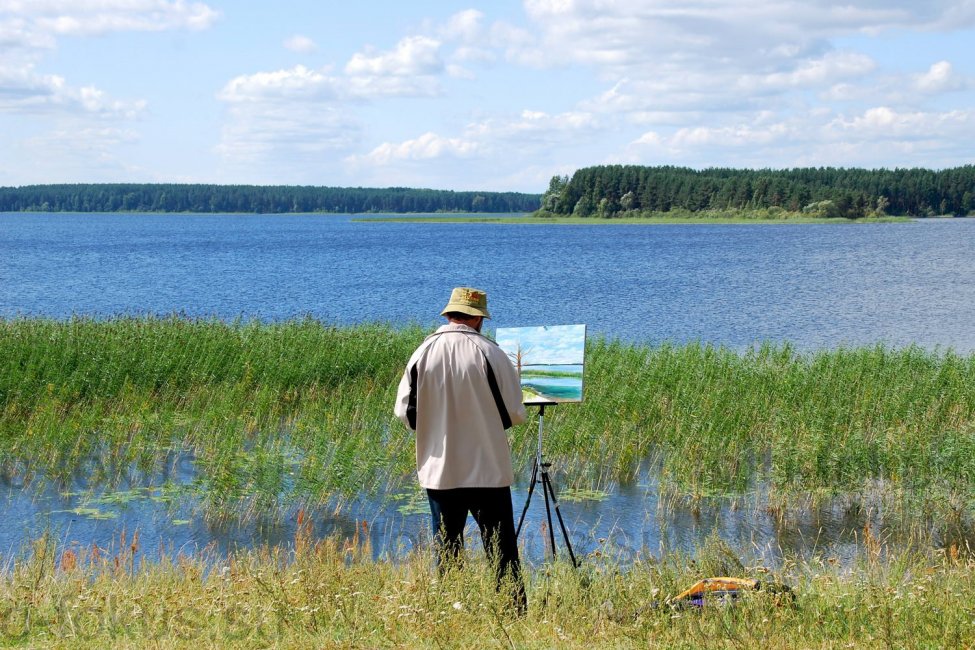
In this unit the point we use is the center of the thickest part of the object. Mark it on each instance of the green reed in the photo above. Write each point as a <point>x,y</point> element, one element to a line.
<point>260,406</point>
<point>332,593</point>
<point>720,420</point>
<point>302,411</point>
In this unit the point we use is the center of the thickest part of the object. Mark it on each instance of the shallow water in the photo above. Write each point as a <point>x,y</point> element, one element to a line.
<point>634,522</point>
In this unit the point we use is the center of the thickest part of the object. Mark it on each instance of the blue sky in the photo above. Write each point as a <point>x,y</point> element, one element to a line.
<point>546,344</point>
<point>475,95</point>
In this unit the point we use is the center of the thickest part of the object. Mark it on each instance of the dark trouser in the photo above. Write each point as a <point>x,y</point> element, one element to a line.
<point>491,509</point>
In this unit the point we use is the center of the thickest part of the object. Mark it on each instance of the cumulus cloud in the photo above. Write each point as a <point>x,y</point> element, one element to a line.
<point>889,123</point>
<point>28,30</point>
<point>940,78</point>
<point>606,30</point>
<point>467,26</point>
<point>84,129</point>
<point>88,153</point>
<point>877,136</point>
<point>297,83</point>
<point>680,46</point>
<point>300,44</point>
<point>16,33</point>
<point>425,147</point>
<point>414,55</point>
<point>297,111</point>
<point>816,72</point>
<point>288,115</point>
<point>24,91</point>
<point>753,83</point>
<point>514,137</point>
<point>100,140</point>
<point>535,126</point>
<point>94,17</point>
<point>265,133</point>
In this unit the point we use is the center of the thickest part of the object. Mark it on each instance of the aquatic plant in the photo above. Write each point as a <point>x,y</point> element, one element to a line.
<point>280,414</point>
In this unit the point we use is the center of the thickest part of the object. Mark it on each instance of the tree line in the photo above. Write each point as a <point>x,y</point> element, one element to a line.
<point>134,197</point>
<point>617,190</point>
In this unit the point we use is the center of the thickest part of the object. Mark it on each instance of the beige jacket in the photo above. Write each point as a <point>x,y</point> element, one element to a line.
<point>460,438</point>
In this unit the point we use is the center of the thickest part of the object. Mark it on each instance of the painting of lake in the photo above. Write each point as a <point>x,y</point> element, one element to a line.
<point>550,360</point>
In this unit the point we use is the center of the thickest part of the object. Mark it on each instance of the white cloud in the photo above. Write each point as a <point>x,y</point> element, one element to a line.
<point>290,136</point>
<point>298,83</point>
<point>29,30</point>
<point>99,140</point>
<point>289,117</point>
<point>728,136</point>
<point>24,91</point>
<point>753,83</point>
<point>535,126</point>
<point>465,26</point>
<point>879,136</point>
<point>414,55</point>
<point>375,87</point>
<point>940,78</point>
<point>889,124</point>
<point>300,44</point>
<point>900,88</point>
<point>816,72</point>
<point>18,33</point>
<point>426,147</point>
<point>93,17</point>
<point>411,69</point>
<point>78,152</point>
<point>459,72</point>
<point>678,42</point>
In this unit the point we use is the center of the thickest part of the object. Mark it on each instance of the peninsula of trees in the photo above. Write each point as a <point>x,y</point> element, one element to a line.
<point>628,190</point>
<point>130,197</point>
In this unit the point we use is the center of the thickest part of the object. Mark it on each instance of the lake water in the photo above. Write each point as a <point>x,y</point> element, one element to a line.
<point>814,286</point>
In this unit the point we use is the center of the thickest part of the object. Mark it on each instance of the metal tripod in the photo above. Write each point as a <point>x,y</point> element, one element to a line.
<point>540,468</point>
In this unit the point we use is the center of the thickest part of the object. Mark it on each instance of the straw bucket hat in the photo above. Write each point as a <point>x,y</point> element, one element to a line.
<point>466,300</point>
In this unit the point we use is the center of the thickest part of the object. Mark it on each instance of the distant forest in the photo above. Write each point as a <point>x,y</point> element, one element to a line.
<point>618,190</point>
<point>129,197</point>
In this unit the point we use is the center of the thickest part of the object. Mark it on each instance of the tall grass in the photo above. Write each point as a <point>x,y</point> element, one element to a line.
<point>259,406</point>
<point>329,593</point>
<point>301,410</point>
<point>831,420</point>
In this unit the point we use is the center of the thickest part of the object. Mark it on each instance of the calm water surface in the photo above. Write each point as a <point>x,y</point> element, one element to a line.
<point>814,286</point>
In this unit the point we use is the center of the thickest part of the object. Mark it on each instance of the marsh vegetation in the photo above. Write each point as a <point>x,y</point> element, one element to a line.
<point>299,413</point>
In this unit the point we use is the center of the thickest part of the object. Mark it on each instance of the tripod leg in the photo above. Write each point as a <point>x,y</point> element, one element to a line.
<point>531,488</point>
<point>547,484</point>
<point>546,489</point>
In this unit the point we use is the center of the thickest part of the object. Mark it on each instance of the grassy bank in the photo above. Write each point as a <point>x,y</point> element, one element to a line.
<point>331,594</point>
<point>298,412</point>
<point>729,216</point>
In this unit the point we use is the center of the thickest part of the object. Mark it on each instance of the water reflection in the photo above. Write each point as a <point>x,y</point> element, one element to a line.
<point>167,507</point>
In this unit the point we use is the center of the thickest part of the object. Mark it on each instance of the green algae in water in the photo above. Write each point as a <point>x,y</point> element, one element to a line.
<point>411,503</point>
<point>90,513</point>
<point>582,494</point>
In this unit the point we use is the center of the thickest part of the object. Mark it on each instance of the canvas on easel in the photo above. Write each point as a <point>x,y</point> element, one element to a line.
<point>550,360</point>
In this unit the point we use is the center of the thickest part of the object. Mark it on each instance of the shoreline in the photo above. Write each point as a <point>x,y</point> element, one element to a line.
<point>640,221</point>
